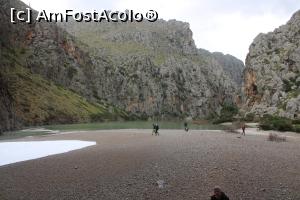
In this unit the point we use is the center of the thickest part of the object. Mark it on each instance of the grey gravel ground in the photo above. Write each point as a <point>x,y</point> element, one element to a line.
<point>133,164</point>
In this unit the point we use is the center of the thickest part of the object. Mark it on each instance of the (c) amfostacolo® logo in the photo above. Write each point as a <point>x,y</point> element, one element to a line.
<point>28,16</point>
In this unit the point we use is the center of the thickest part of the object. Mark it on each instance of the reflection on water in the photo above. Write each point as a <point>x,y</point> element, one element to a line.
<point>11,152</point>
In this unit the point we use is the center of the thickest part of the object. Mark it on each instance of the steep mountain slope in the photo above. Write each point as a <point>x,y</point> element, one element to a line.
<point>272,74</point>
<point>105,71</point>
<point>154,68</point>
<point>39,66</point>
<point>232,66</point>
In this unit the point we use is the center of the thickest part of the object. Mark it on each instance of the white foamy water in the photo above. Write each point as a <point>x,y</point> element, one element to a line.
<point>12,152</point>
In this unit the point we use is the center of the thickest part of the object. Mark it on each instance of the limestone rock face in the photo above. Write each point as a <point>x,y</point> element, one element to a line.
<point>155,68</point>
<point>272,83</point>
<point>147,69</point>
<point>232,66</point>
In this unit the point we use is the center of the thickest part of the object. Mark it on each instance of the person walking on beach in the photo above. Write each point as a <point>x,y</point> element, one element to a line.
<point>156,129</point>
<point>153,128</point>
<point>243,129</point>
<point>218,194</point>
<point>186,128</point>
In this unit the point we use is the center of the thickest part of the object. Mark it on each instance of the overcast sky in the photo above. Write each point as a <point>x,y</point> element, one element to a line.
<point>228,26</point>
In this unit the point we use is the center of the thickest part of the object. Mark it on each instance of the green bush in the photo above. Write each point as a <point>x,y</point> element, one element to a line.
<point>269,122</point>
<point>265,126</point>
<point>297,128</point>
<point>283,125</point>
<point>220,120</point>
<point>228,111</point>
<point>296,121</point>
<point>249,117</point>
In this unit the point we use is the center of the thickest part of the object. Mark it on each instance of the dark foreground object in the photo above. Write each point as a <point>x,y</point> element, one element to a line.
<point>222,197</point>
<point>219,194</point>
<point>129,164</point>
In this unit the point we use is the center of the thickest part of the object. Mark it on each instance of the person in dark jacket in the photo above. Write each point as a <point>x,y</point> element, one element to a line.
<point>219,194</point>
<point>156,129</point>
<point>186,128</point>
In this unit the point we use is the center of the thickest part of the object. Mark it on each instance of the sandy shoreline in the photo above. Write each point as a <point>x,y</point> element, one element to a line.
<point>127,164</point>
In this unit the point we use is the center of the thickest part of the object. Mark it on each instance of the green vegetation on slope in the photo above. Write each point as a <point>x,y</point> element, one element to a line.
<point>38,101</point>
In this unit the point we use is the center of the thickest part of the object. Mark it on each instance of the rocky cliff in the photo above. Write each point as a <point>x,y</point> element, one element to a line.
<point>78,72</point>
<point>232,66</point>
<point>155,68</point>
<point>44,76</point>
<point>272,74</point>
